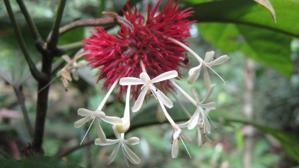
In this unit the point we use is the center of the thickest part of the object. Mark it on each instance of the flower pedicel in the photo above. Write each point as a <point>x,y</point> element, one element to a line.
<point>144,58</point>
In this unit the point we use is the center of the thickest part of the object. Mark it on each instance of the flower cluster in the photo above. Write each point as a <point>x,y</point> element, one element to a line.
<point>144,58</point>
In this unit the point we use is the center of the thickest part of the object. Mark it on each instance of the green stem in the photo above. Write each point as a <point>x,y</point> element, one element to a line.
<point>33,69</point>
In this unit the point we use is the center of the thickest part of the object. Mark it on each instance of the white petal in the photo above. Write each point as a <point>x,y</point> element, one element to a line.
<point>138,103</point>
<point>199,138</point>
<point>165,76</point>
<point>106,142</point>
<point>144,77</point>
<point>184,124</point>
<point>67,58</point>
<point>193,120</point>
<point>114,154</point>
<point>211,88</point>
<point>220,60</point>
<point>132,141</point>
<point>174,149</point>
<point>100,132</point>
<point>194,73</point>
<point>209,56</point>
<point>84,112</point>
<point>207,126</point>
<point>130,81</point>
<point>209,106</point>
<point>206,78</point>
<point>130,155</point>
<point>112,120</point>
<point>81,122</point>
<point>176,134</point>
<point>98,114</point>
<point>164,99</point>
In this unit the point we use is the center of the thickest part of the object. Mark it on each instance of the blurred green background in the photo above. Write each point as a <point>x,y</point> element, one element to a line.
<point>264,52</point>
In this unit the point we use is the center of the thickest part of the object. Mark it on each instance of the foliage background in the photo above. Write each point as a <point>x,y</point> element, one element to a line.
<point>244,30</point>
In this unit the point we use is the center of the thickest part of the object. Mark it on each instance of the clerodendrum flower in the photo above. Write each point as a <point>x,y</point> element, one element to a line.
<point>208,62</point>
<point>139,39</point>
<point>148,84</point>
<point>146,56</point>
<point>97,115</point>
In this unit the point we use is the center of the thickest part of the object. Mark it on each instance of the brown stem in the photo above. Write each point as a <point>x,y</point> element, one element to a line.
<point>54,34</point>
<point>85,22</point>
<point>42,106</point>
<point>30,22</point>
<point>248,111</point>
<point>33,69</point>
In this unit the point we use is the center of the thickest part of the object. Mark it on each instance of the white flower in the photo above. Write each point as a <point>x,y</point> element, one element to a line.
<point>92,116</point>
<point>176,136</point>
<point>200,118</point>
<point>98,114</point>
<point>122,144</point>
<point>206,64</point>
<point>148,84</point>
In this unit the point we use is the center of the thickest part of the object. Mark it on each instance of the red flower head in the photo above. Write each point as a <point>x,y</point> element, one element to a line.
<point>140,39</point>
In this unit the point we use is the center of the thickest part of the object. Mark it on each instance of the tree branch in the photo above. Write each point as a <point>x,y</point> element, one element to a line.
<point>31,24</point>
<point>33,69</point>
<point>85,22</point>
<point>21,100</point>
<point>54,34</point>
<point>71,46</point>
<point>42,106</point>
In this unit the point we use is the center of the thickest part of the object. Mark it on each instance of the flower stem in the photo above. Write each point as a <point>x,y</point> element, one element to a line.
<point>102,104</point>
<point>127,106</point>
<point>142,66</point>
<point>166,114</point>
<point>184,93</point>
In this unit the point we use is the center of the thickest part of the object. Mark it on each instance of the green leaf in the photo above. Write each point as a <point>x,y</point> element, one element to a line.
<point>267,47</point>
<point>250,13</point>
<point>37,161</point>
<point>289,142</point>
<point>267,4</point>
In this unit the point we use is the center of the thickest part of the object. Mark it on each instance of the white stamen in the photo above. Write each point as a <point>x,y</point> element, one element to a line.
<point>166,114</point>
<point>195,55</point>
<point>184,93</point>
<point>185,146</point>
<point>87,132</point>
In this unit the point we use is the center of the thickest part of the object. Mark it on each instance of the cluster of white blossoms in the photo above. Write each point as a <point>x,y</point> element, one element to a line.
<point>198,120</point>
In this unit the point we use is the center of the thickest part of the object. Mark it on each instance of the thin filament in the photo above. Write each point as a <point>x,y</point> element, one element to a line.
<point>184,93</point>
<point>195,55</point>
<point>87,132</point>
